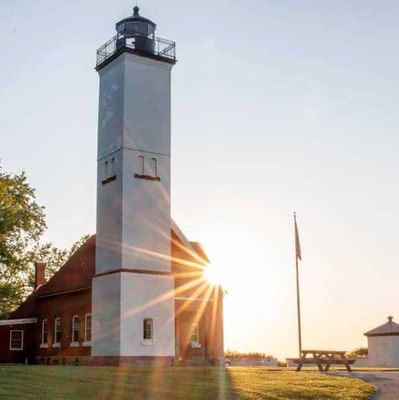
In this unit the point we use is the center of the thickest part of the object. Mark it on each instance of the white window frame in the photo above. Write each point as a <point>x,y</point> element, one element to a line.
<point>73,343</point>
<point>44,345</point>
<point>148,342</point>
<point>22,340</point>
<point>195,344</point>
<point>55,343</point>
<point>87,343</point>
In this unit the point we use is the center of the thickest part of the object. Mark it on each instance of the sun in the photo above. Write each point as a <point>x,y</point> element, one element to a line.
<point>213,275</point>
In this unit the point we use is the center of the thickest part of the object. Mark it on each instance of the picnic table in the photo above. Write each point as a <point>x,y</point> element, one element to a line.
<point>323,357</point>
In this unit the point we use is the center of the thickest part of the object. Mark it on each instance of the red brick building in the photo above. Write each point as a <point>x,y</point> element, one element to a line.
<point>53,325</point>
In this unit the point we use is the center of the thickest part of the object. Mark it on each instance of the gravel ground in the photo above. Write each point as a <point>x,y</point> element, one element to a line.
<point>387,383</point>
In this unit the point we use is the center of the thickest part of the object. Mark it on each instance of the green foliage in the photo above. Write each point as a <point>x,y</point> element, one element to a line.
<point>237,354</point>
<point>53,256</point>
<point>359,352</point>
<point>281,364</point>
<point>22,223</point>
<point>12,292</point>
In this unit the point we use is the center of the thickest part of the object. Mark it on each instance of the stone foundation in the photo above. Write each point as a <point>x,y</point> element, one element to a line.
<point>133,361</point>
<point>115,361</point>
<point>200,362</point>
<point>84,360</point>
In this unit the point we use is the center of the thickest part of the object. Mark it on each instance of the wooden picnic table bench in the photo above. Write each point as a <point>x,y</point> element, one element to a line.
<point>326,357</point>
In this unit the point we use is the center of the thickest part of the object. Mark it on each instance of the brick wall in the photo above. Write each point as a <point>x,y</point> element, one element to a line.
<point>17,356</point>
<point>64,307</point>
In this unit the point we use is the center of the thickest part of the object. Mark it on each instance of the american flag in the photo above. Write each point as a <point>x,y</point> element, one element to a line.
<point>297,244</point>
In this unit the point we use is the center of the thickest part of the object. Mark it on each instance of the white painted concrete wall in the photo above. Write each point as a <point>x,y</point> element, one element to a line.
<point>147,296</point>
<point>133,215</point>
<point>146,238</point>
<point>109,196</point>
<point>147,104</point>
<point>383,351</point>
<point>146,132</point>
<point>106,306</point>
<point>362,362</point>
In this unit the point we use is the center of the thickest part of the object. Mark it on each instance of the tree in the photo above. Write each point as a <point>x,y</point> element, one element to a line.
<point>237,354</point>
<point>359,352</point>
<point>22,222</point>
<point>53,256</point>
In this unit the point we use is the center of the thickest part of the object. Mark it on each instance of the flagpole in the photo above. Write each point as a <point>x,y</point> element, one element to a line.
<point>298,301</point>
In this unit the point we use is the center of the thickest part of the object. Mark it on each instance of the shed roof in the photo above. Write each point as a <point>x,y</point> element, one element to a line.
<point>390,328</point>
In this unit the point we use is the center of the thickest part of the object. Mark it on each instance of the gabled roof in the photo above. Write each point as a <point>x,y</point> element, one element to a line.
<point>77,273</point>
<point>199,249</point>
<point>390,328</point>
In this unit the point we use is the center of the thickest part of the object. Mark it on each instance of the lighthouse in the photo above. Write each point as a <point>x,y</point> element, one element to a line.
<point>133,286</point>
<point>136,292</point>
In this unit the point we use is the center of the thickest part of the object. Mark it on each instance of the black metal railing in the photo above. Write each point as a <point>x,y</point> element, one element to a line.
<point>162,48</point>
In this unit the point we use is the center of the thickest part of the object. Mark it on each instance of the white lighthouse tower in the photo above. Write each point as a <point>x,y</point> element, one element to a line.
<point>133,290</point>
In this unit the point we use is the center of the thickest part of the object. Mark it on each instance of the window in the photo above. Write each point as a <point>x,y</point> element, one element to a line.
<point>75,329</point>
<point>141,173</point>
<point>106,172</point>
<point>195,343</point>
<point>16,340</point>
<point>44,333</point>
<point>147,329</point>
<point>195,333</point>
<point>109,171</point>
<point>88,328</point>
<point>154,167</point>
<point>113,166</point>
<point>57,331</point>
<point>140,168</point>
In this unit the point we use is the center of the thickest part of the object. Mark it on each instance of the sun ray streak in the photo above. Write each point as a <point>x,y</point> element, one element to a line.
<point>165,296</point>
<point>196,294</point>
<point>215,306</point>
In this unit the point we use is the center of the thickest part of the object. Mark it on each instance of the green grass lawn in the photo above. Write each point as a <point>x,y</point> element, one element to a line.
<point>75,383</point>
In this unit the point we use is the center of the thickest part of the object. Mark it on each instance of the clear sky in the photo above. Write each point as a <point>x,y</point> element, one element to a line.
<point>277,106</point>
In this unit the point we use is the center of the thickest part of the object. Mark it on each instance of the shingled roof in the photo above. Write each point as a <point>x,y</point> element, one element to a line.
<point>390,328</point>
<point>78,272</point>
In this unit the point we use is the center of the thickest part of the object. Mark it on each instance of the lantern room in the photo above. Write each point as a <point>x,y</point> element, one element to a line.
<point>137,31</point>
<point>136,35</point>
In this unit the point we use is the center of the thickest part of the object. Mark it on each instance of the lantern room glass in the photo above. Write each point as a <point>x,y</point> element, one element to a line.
<point>136,28</point>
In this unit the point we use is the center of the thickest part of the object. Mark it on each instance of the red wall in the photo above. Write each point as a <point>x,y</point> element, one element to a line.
<point>64,307</point>
<point>17,356</point>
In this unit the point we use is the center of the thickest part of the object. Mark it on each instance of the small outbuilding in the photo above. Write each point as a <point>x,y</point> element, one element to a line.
<point>383,344</point>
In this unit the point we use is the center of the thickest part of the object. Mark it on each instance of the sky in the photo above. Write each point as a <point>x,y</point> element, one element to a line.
<point>277,106</point>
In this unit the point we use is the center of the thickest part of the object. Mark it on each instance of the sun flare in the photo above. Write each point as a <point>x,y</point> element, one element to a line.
<point>213,275</point>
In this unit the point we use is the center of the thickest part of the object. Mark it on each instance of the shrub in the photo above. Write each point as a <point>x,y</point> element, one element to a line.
<point>359,352</point>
